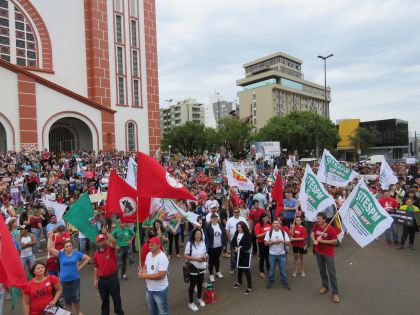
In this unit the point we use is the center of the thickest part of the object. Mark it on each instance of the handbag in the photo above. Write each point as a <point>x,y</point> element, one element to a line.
<point>186,271</point>
<point>61,301</point>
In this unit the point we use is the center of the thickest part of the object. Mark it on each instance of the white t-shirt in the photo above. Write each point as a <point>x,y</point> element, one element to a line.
<point>232,223</point>
<point>26,252</point>
<point>217,240</point>
<point>154,265</point>
<point>240,235</point>
<point>198,250</point>
<point>276,249</point>
<point>210,203</point>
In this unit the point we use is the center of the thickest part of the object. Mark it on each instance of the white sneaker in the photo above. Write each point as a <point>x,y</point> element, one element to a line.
<point>232,271</point>
<point>193,307</point>
<point>201,302</point>
<point>219,275</point>
<point>211,278</point>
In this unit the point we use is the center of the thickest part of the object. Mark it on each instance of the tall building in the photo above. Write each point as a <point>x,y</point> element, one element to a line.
<point>275,85</point>
<point>78,75</point>
<point>180,113</point>
<point>217,108</point>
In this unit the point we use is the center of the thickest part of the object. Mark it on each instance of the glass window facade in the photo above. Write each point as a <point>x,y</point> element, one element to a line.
<point>260,84</point>
<point>393,132</point>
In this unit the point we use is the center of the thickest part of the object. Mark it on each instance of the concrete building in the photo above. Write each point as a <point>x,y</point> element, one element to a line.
<point>180,113</point>
<point>217,108</point>
<point>275,85</point>
<point>78,75</point>
<point>393,142</point>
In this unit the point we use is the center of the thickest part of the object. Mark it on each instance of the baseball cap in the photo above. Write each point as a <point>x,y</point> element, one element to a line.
<point>214,215</point>
<point>100,237</point>
<point>155,240</point>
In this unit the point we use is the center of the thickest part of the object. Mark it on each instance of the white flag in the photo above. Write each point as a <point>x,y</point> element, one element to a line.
<point>331,172</point>
<point>363,216</point>
<point>242,167</point>
<point>57,208</point>
<point>78,170</point>
<point>313,196</point>
<point>131,177</point>
<point>276,171</point>
<point>386,176</point>
<point>237,179</point>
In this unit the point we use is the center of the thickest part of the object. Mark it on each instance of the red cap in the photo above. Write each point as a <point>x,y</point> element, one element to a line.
<point>155,240</point>
<point>100,237</point>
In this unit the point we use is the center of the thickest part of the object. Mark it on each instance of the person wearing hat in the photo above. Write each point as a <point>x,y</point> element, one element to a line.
<point>213,210</point>
<point>105,275</point>
<point>155,272</point>
<point>215,240</point>
<point>27,241</point>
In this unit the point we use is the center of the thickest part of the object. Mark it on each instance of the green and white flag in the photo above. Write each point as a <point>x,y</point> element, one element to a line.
<point>81,216</point>
<point>332,172</point>
<point>362,215</point>
<point>313,196</point>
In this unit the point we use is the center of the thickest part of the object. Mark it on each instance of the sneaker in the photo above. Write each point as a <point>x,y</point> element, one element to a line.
<point>247,291</point>
<point>411,247</point>
<point>8,297</point>
<point>169,256</point>
<point>124,277</point>
<point>336,298</point>
<point>262,275</point>
<point>226,255</point>
<point>269,285</point>
<point>400,247</point>
<point>294,274</point>
<point>303,274</point>
<point>232,271</point>
<point>211,278</point>
<point>193,307</point>
<point>178,255</point>
<point>201,302</point>
<point>388,243</point>
<point>323,290</point>
<point>219,275</point>
<point>286,286</point>
<point>236,285</point>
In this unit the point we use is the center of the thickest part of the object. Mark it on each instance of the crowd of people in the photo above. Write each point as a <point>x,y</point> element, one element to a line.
<point>231,223</point>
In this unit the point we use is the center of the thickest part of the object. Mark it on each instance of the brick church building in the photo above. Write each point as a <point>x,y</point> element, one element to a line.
<point>78,75</point>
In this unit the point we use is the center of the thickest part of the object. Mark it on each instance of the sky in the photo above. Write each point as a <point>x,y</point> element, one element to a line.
<point>374,73</point>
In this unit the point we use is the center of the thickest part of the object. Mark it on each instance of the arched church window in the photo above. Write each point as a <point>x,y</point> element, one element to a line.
<point>17,39</point>
<point>131,136</point>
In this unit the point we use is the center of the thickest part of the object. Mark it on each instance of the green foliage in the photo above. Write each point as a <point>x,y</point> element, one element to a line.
<point>299,131</point>
<point>235,135</point>
<point>364,138</point>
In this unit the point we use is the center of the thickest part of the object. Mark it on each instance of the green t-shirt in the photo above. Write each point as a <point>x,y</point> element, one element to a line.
<point>122,236</point>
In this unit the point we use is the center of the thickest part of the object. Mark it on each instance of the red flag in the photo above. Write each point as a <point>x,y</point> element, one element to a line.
<point>122,200</point>
<point>12,273</point>
<point>277,195</point>
<point>154,181</point>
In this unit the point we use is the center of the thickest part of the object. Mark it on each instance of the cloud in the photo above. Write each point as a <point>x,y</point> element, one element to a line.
<point>202,46</point>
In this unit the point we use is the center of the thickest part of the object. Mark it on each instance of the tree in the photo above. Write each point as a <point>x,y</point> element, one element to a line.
<point>235,135</point>
<point>364,138</point>
<point>189,138</point>
<point>299,131</point>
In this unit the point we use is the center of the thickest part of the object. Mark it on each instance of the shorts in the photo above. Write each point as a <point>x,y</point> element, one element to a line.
<point>71,291</point>
<point>299,250</point>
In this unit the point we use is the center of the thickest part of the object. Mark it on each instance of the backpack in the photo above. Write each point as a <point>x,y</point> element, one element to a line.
<point>286,247</point>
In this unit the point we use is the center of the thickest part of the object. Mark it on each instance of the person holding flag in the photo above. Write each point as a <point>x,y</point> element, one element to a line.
<point>324,237</point>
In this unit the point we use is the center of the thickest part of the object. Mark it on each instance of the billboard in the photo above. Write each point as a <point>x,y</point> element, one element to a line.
<point>266,149</point>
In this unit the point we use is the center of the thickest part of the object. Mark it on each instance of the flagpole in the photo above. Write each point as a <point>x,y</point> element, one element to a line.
<point>333,218</point>
<point>138,232</point>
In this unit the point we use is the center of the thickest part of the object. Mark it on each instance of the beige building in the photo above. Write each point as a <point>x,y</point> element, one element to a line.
<point>180,113</point>
<point>275,85</point>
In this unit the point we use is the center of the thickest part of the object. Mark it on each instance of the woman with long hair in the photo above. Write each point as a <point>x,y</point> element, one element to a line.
<point>71,262</point>
<point>242,243</point>
<point>261,228</point>
<point>215,237</point>
<point>298,242</point>
<point>196,254</point>
<point>162,233</point>
<point>38,292</point>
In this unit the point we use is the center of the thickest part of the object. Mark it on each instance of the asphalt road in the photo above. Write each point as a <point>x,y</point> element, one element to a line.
<point>375,280</point>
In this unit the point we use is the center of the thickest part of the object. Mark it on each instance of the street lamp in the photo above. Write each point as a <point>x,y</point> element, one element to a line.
<point>325,78</point>
<point>326,109</point>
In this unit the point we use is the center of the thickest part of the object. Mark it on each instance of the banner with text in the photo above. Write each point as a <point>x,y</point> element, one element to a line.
<point>332,172</point>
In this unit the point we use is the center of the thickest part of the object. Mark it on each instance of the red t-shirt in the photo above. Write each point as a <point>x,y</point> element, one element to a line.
<point>33,221</point>
<point>105,261</point>
<point>40,294</point>
<point>299,232</point>
<point>59,240</point>
<point>261,229</point>
<point>285,229</point>
<point>255,215</point>
<point>389,204</point>
<point>329,234</point>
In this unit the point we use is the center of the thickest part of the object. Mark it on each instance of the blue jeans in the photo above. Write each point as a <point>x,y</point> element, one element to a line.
<point>28,262</point>
<point>37,234</point>
<point>1,302</point>
<point>392,232</point>
<point>281,261</point>
<point>157,302</point>
<point>82,245</point>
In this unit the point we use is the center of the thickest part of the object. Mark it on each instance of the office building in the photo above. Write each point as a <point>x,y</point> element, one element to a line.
<point>180,113</point>
<point>274,86</point>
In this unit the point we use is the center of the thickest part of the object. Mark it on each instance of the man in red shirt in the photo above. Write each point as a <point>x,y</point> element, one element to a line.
<point>390,205</point>
<point>324,238</point>
<point>253,218</point>
<point>105,276</point>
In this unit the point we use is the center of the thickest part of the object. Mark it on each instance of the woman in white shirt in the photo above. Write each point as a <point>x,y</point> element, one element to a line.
<point>196,254</point>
